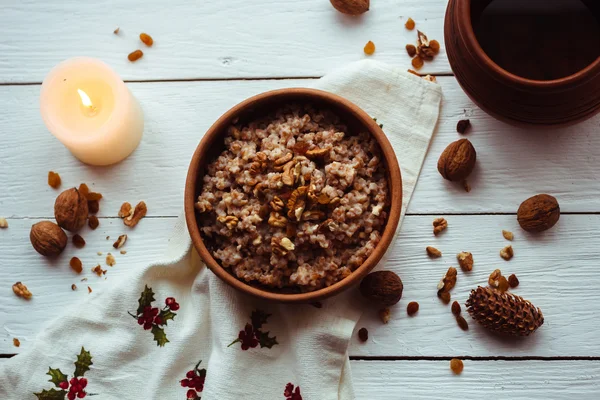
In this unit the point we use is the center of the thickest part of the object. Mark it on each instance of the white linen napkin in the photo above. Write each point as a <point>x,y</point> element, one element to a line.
<point>302,354</point>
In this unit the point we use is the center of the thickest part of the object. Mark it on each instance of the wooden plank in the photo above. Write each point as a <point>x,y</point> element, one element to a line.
<point>523,380</point>
<point>210,39</point>
<point>558,273</point>
<point>513,163</point>
<point>510,380</point>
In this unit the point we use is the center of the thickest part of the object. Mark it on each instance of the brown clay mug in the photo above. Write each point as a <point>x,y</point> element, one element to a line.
<point>525,68</point>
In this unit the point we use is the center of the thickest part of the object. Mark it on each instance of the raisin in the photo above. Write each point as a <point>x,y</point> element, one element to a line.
<point>369,48</point>
<point>146,39</point>
<point>93,222</point>
<point>84,190</point>
<point>463,125</point>
<point>76,265</point>
<point>462,323</point>
<point>417,62</point>
<point>136,55</point>
<point>363,334</point>
<point>92,196</point>
<point>54,179</point>
<point>78,241</point>
<point>412,308</point>
<point>456,366</point>
<point>513,281</point>
<point>435,46</point>
<point>410,24</point>
<point>411,50</point>
<point>456,308</point>
<point>93,206</point>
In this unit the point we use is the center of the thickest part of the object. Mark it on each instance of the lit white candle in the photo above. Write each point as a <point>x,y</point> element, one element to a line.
<point>86,105</point>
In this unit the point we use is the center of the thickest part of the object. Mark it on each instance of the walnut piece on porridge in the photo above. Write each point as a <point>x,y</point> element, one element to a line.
<point>295,200</point>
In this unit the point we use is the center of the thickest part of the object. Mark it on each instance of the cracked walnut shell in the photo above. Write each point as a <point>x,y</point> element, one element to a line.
<point>48,239</point>
<point>71,210</point>
<point>457,161</point>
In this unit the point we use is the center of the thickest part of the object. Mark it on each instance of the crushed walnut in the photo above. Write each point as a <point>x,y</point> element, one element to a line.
<point>131,217</point>
<point>98,270</point>
<point>465,260</point>
<point>120,242</point>
<point>439,225</point>
<point>384,315</point>
<point>21,290</point>
<point>507,253</point>
<point>508,235</point>
<point>3,223</point>
<point>446,284</point>
<point>497,281</point>
<point>433,252</point>
<point>110,260</point>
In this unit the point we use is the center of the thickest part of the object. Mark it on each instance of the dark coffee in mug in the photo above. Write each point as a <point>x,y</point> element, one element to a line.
<point>538,39</point>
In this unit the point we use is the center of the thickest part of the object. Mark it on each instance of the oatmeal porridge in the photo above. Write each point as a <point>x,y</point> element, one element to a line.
<point>294,200</point>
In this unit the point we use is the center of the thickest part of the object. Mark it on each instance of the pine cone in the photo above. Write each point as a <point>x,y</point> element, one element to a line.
<point>504,312</point>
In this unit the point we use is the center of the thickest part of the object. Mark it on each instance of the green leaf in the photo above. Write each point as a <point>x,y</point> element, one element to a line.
<point>166,315</point>
<point>56,376</point>
<point>51,394</point>
<point>146,299</point>
<point>234,342</point>
<point>82,365</point>
<point>265,340</point>
<point>159,336</point>
<point>259,318</point>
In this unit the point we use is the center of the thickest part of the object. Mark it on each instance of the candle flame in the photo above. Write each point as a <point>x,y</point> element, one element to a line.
<point>85,99</point>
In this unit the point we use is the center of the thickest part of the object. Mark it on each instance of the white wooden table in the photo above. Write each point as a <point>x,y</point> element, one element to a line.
<point>209,55</point>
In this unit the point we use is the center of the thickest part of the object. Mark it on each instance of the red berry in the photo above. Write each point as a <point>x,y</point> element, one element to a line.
<point>199,387</point>
<point>174,306</point>
<point>81,394</point>
<point>185,383</point>
<point>154,312</point>
<point>141,321</point>
<point>191,394</point>
<point>169,300</point>
<point>82,383</point>
<point>148,326</point>
<point>71,395</point>
<point>64,385</point>
<point>158,320</point>
<point>191,374</point>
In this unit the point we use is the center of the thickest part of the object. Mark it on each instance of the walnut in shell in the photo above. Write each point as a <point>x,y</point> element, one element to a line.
<point>48,239</point>
<point>457,161</point>
<point>538,213</point>
<point>351,7</point>
<point>71,210</point>
<point>382,287</point>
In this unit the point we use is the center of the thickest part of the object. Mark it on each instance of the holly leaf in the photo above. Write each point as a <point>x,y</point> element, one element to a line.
<point>82,365</point>
<point>265,340</point>
<point>56,376</point>
<point>159,336</point>
<point>51,394</point>
<point>259,318</point>
<point>166,315</point>
<point>146,299</point>
<point>234,342</point>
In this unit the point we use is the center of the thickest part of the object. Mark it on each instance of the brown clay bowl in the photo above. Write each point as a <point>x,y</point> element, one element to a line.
<point>212,145</point>
<point>509,97</point>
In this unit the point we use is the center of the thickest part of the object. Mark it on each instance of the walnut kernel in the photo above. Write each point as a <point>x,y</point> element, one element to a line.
<point>507,253</point>
<point>3,223</point>
<point>110,260</point>
<point>433,252</point>
<point>465,260</point>
<point>439,224</point>
<point>21,290</point>
<point>120,242</point>
<point>508,235</point>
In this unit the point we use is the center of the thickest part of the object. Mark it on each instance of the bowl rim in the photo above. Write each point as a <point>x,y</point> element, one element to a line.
<point>464,12</point>
<point>302,95</point>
